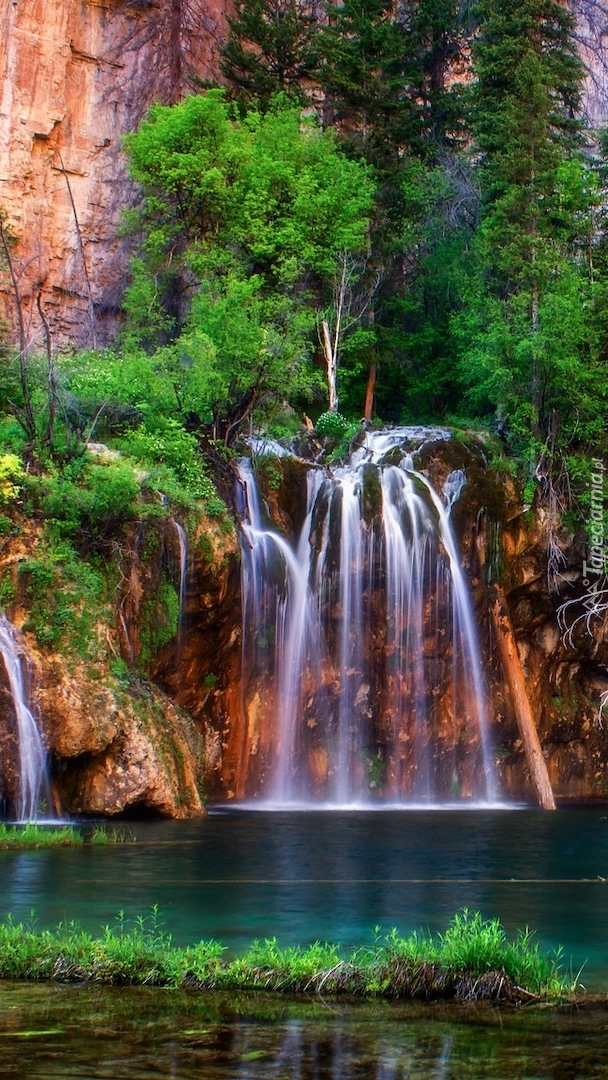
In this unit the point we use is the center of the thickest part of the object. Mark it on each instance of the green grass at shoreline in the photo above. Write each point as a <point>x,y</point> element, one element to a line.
<point>31,836</point>
<point>471,960</point>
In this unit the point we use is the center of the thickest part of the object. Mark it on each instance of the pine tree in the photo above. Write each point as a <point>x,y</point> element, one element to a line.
<point>528,141</point>
<point>371,79</point>
<point>441,36</point>
<point>269,50</point>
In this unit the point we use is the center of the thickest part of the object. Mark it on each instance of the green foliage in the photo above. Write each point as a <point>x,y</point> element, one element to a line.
<point>143,404</point>
<point>91,507</point>
<point>246,220</point>
<point>528,345</point>
<point>332,424</point>
<point>367,59</point>
<point>160,620</point>
<point>269,469</point>
<point>11,477</point>
<point>269,50</point>
<point>472,958</point>
<point>67,596</point>
<point>169,444</point>
<point>474,215</point>
<point>27,837</point>
<point>7,591</point>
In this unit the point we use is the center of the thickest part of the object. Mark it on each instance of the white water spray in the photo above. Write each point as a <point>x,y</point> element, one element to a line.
<point>183,581</point>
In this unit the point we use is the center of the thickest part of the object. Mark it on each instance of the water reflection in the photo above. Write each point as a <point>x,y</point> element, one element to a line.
<point>139,1035</point>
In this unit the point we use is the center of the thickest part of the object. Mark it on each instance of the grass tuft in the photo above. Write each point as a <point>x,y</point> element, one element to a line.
<point>38,836</point>
<point>31,836</point>
<point>472,960</point>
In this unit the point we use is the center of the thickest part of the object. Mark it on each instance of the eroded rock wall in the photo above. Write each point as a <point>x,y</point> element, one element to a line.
<point>143,712</point>
<point>75,76</point>
<point>501,540</point>
<point>116,743</point>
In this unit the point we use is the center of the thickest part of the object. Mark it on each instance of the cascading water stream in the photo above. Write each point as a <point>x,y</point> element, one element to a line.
<point>183,581</point>
<point>464,631</point>
<point>33,779</point>
<point>347,632</point>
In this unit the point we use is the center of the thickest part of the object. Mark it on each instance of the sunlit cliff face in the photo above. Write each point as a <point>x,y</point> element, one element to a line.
<point>75,77</point>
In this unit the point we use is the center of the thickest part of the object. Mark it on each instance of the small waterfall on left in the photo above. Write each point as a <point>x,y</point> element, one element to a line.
<point>33,778</point>
<point>182,541</point>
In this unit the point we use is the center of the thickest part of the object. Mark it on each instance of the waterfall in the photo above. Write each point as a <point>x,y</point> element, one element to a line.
<point>359,639</point>
<point>183,580</point>
<point>33,778</point>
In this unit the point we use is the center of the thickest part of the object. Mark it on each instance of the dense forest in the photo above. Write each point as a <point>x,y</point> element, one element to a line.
<point>386,214</point>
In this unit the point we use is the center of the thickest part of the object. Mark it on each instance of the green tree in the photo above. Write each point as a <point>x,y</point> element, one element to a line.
<point>269,50</point>
<point>530,256</point>
<point>371,76</point>
<point>384,75</point>
<point>441,32</point>
<point>243,223</point>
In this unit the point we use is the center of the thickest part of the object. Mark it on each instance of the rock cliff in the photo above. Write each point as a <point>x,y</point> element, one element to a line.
<point>116,743</point>
<point>144,703</point>
<point>566,675</point>
<point>76,75</point>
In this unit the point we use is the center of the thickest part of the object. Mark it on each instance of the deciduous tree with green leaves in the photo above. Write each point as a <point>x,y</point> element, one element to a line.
<point>243,223</point>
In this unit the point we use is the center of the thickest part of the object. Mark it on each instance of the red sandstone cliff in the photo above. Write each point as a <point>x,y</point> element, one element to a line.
<point>76,75</point>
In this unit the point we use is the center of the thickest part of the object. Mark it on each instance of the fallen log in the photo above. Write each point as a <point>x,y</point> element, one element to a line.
<point>511,663</point>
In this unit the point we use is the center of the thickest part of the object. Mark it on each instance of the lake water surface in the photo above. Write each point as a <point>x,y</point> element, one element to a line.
<point>65,1033</point>
<point>242,874</point>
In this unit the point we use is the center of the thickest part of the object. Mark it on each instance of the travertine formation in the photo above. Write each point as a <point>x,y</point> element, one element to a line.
<point>143,720</point>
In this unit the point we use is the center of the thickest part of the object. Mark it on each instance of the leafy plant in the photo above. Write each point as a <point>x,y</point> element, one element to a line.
<point>12,475</point>
<point>473,958</point>
<point>332,424</point>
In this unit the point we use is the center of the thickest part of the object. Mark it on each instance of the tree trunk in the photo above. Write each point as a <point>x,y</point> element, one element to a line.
<point>331,363</point>
<point>511,663</point>
<point>369,393</point>
<point>175,50</point>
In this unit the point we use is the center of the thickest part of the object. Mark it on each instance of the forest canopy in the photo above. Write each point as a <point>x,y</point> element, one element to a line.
<point>395,214</point>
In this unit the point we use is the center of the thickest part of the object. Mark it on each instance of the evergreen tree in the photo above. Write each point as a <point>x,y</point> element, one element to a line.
<point>441,42</point>
<point>537,194</point>
<point>371,79</point>
<point>269,50</point>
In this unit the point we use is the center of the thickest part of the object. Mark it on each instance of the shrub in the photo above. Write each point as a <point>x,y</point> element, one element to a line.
<point>93,507</point>
<point>169,444</point>
<point>332,424</point>
<point>11,477</point>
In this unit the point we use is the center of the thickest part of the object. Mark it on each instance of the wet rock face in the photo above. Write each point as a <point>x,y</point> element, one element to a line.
<point>498,540</point>
<point>116,744</point>
<point>76,75</point>
<point>201,668</point>
<point>9,751</point>
<point>169,708</point>
<point>116,753</point>
<point>566,673</point>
